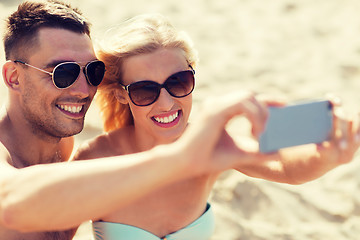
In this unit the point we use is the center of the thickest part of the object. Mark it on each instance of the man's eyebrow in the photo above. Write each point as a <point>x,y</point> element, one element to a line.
<point>55,63</point>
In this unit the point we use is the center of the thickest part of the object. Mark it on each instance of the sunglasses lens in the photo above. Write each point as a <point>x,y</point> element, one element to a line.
<point>66,74</point>
<point>180,84</point>
<point>95,72</point>
<point>144,93</point>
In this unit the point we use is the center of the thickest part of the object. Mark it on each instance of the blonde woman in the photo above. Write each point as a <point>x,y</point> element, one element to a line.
<point>146,99</point>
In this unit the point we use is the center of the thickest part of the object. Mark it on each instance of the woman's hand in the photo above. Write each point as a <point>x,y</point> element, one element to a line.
<point>211,149</point>
<point>304,163</point>
<point>345,137</point>
<point>208,144</point>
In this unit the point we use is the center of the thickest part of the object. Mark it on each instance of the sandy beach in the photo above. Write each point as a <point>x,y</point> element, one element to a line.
<point>297,49</point>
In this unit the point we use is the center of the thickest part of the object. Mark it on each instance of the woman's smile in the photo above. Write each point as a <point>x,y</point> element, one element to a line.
<point>167,120</point>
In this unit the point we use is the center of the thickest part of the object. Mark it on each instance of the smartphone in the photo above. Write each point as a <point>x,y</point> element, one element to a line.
<point>296,124</point>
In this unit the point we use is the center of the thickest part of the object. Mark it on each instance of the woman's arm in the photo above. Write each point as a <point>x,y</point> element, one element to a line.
<point>301,164</point>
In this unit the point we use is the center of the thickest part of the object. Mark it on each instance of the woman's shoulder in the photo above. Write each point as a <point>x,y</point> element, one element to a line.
<point>104,145</point>
<point>91,148</point>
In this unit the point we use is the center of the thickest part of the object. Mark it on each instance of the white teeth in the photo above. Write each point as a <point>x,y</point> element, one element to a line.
<point>70,109</point>
<point>168,119</point>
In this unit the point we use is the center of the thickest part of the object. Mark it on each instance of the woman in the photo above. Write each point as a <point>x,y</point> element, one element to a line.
<point>146,99</point>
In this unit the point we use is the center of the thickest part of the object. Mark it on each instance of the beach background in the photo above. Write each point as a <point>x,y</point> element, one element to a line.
<point>299,49</point>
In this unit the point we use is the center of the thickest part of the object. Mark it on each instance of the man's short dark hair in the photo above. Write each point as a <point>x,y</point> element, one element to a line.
<point>23,25</point>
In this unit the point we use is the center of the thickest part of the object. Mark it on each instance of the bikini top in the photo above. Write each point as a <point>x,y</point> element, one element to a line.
<point>201,229</point>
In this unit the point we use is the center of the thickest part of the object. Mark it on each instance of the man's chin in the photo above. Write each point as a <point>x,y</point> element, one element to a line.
<point>74,131</point>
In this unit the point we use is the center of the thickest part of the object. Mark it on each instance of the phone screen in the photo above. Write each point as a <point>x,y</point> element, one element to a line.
<point>296,125</point>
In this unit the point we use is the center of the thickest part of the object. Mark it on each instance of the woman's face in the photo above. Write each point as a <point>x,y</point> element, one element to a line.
<point>164,120</point>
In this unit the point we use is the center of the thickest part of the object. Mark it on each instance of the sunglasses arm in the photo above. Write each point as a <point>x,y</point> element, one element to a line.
<point>192,69</point>
<point>124,87</point>
<point>42,70</point>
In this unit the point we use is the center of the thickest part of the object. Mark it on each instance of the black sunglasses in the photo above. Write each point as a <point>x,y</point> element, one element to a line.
<point>144,93</point>
<point>66,73</point>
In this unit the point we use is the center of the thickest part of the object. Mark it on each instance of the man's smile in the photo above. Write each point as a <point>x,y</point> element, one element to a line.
<point>72,110</point>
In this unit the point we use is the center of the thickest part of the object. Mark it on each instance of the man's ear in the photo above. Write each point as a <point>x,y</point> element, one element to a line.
<point>11,75</point>
<point>121,97</point>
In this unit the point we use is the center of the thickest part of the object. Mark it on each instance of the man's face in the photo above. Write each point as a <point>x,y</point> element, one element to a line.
<point>50,111</point>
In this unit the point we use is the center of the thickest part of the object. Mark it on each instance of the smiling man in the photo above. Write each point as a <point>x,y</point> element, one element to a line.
<point>56,111</point>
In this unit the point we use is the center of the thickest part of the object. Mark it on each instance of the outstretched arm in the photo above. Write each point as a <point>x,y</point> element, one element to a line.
<point>301,164</point>
<point>62,195</point>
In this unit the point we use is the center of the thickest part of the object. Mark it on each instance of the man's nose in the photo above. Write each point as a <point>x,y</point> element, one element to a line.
<point>81,86</point>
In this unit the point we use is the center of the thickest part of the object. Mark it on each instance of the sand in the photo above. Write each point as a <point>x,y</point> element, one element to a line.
<point>297,49</point>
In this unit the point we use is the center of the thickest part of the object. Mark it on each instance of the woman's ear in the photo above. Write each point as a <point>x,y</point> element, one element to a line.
<point>120,96</point>
<point>11,75</point>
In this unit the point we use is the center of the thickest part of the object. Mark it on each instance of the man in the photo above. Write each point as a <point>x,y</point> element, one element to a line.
<point>52,75</point>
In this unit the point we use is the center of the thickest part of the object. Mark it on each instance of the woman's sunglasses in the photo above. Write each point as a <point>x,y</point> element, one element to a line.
<point>144,93</point>
<point>66,73</point>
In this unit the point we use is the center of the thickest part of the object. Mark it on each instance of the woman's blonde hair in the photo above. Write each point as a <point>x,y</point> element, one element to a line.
<point>140,35</point>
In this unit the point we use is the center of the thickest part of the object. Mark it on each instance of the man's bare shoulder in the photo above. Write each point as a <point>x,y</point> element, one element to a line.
<point>5,160</point>
<point>5,141</point>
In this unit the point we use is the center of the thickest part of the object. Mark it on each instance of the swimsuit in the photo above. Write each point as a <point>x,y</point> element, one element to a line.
<point>201,229</point>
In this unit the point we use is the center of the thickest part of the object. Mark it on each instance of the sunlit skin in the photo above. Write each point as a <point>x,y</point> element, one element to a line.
<point>40,115</point>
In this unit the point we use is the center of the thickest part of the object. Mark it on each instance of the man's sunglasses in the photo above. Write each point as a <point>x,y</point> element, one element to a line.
<point>66,73</point>
<point>144,93</point>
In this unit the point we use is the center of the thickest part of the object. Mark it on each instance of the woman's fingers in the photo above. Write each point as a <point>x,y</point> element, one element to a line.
<point>345,138</point>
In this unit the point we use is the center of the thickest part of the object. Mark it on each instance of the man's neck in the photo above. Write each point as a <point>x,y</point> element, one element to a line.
<point>25,147</point>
